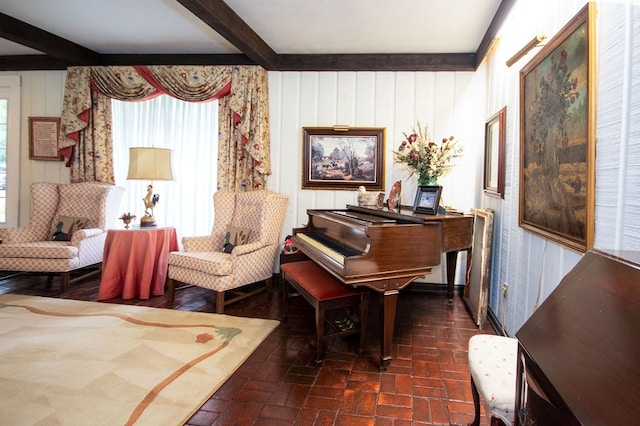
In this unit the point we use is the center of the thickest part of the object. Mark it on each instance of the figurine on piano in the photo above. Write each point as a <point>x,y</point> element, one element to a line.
<point>393,202</point>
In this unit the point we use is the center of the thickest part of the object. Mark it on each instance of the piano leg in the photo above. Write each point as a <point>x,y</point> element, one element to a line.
<point>389,301</point>
<point>452,262</point>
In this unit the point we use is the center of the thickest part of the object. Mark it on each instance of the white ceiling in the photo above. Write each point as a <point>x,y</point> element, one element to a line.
<point>286,26</point>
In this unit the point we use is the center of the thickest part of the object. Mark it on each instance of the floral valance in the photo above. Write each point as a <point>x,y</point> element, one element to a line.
<point>243,87</point>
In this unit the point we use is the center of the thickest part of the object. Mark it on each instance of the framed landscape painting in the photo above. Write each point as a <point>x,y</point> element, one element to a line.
<point>343,158</point>
<point>557,136</point>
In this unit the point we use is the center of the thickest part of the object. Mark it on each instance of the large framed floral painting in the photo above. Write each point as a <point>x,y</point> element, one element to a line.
<point>557,136</point>
<point>343,158</point>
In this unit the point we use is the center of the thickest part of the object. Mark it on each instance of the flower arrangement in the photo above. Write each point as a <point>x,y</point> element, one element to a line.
<point>425,158</point>
<point>127,217</point>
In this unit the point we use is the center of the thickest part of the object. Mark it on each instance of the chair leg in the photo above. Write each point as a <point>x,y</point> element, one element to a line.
<point>49,280</point>
<point>476,404</point>
<point>64,281</point>
<point>219,302</point>
<point>171,289</point>
<point>284,285</point>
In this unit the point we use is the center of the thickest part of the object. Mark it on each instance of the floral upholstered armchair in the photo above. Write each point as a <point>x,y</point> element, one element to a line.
<point>66,231</point>
<point>241,249</point>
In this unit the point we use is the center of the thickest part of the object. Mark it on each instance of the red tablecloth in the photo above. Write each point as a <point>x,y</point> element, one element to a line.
<point>134,262</point>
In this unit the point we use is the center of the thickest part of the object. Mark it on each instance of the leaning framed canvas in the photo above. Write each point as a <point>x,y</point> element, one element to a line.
<point>557,136</point>
<point>476,292</point>
<point>427,199</point>
<point>343,158</point>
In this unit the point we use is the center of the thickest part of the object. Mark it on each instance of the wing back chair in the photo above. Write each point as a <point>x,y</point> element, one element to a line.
<point>66,230</point>
<point>256,219</point>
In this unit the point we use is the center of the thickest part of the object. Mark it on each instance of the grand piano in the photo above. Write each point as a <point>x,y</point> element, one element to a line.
<point>384,250</point>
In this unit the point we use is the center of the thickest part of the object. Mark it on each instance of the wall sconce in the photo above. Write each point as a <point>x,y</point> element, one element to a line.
<point>149,164</point>
<point>537,41</point>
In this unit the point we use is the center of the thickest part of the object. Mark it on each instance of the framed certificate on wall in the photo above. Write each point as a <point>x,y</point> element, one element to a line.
<point>43,138</point>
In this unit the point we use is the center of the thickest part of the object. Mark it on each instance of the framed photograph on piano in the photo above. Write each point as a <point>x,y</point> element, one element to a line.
<point>427,199</point>
<point>343,157</point>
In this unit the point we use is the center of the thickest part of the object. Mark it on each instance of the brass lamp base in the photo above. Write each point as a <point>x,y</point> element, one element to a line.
<point>147,221</point>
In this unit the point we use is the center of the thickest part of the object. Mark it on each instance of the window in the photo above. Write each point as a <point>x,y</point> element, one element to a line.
<point>9,149</point>
<point>191,130</point>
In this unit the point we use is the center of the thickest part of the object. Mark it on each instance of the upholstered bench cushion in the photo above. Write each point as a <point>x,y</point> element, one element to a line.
<point>39,250</point>
<point>209,262</point>
<point>318,282</point>
<point>492,362</point>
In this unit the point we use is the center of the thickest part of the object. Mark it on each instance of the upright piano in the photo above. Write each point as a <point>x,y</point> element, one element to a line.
<point>578,352</point>
<point>384,250</point>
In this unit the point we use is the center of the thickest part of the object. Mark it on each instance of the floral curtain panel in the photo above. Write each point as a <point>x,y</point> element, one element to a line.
<point>85,137</point>
<point>243,122</point>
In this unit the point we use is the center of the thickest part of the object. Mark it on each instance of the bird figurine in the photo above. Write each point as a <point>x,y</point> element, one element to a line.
<point>150,201</point>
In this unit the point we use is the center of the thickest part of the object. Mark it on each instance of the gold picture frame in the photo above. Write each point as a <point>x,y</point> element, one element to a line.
<point>557,136</point>
<point>343,158</point>
<point>43,138</point>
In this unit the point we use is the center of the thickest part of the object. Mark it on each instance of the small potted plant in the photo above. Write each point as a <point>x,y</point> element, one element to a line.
<point>127,218</point>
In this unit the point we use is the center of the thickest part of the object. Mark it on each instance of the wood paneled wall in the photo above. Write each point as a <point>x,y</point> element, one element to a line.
<point>451,103</point>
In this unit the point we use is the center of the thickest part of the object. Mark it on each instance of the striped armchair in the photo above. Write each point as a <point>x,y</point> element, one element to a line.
<point>257,216</point>
<point>66,230</point>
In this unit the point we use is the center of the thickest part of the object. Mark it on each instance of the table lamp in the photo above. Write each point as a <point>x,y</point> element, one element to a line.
<point>149,164</point>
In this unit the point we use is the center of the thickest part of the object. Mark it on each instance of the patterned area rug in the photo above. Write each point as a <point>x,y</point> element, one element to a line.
<point>66,362</point>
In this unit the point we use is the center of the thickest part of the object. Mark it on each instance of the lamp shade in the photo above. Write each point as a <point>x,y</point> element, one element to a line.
<point>150,164</point>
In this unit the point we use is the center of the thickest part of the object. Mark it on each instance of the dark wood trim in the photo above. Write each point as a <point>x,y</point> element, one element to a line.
<point>415,62</point>
<point>31,63</point>
<point>378,62</point>
<point>185,59</point>
<point>492,31</point>
<point>227,23</point>
<point>43,41</point>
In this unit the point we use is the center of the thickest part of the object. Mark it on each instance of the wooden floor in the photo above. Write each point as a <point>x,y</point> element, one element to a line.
<point>427,382</point>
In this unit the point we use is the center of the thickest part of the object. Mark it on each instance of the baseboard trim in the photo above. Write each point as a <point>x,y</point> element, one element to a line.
<point>495,323</point>
<point>434,288</point>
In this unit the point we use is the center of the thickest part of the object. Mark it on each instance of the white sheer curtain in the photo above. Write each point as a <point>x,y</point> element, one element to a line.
<point>191,130</point>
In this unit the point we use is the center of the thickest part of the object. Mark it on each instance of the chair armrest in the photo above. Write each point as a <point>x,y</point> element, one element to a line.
<point>203,243</point>
<point>19,235</point>
<point>81,234</point>
<point>247,248</point>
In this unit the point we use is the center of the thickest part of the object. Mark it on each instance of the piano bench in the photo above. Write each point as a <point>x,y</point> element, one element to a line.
<point>326,293</point>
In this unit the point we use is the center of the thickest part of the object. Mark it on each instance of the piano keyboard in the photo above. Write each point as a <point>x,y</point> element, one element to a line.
<point>334,251</point>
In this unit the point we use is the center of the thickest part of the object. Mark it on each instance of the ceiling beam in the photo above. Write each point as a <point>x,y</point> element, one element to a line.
<point>494,28</point>
<point>31,63</point>
<point>223,20</point>
<point>174,59</point>
<point>43,41</point>
<point>378,62</point>
<point>323,62</point>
